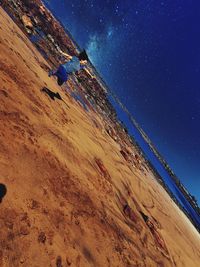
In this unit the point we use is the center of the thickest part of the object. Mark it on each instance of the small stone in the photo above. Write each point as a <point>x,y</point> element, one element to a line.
<point>22,260</point>
<point>77,222</point>
<point>59,262</point>
<point>42,237</point>
<point>24,230</point>
<point>68,261</point>
<point>34,204</point>
<point>4,93</point>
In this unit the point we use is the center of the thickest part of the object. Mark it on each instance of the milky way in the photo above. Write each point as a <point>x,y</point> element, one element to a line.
<point>148,52</point>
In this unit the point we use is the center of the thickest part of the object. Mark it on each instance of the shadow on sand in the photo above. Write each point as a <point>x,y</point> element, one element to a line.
<point>53,95</point>
<point>3,191</point>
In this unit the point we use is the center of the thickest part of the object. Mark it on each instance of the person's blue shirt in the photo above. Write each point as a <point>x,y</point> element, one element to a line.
<point>73,65</point>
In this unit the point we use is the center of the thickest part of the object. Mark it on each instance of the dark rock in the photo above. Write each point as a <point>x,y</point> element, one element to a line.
<point>42,237</point>
<point>59,262</point>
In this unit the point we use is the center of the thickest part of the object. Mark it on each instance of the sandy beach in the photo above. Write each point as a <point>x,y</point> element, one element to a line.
<point>72,199</point>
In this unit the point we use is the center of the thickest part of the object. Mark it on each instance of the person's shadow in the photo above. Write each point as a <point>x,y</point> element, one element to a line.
<point>53,95</point>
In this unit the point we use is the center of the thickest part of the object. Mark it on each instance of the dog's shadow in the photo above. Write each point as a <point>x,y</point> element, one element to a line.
<point>51,94</point>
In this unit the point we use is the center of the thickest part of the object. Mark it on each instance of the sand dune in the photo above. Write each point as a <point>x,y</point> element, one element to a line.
<point>72,199</point>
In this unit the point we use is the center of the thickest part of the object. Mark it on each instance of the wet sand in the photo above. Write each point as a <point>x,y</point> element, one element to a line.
<point>72,199</point>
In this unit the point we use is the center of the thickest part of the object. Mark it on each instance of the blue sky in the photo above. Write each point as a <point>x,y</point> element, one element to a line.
<point>148,52</point>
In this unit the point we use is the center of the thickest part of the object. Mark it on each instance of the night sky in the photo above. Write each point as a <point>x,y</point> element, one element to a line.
<point>148,52</point>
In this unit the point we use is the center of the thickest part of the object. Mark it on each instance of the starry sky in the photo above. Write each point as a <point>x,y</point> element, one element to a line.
<point>148,52</point>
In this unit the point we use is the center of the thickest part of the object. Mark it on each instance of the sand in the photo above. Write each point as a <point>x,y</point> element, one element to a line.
<point>72,199</point>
